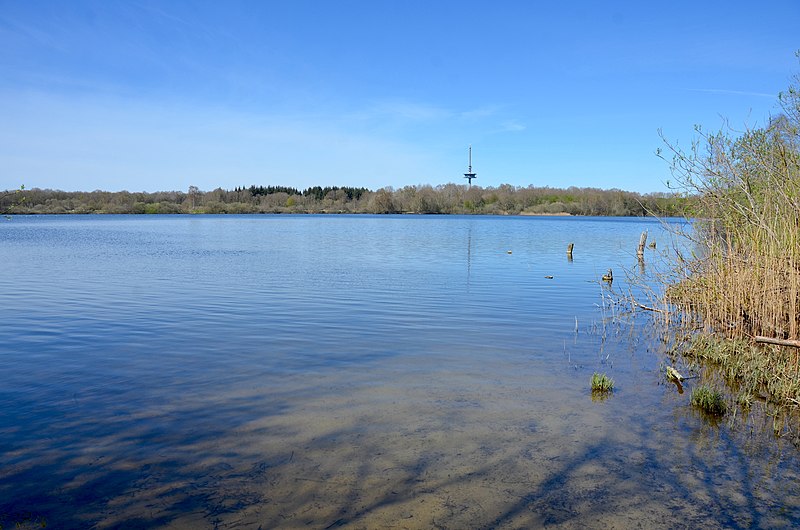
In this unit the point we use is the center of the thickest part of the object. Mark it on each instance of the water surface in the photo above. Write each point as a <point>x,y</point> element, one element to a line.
<point>352,371</point>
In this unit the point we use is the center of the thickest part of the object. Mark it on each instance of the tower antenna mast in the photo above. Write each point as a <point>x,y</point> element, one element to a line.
<point>470,175</point>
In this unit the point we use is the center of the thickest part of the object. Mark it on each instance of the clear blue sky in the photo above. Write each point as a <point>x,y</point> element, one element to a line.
<point>159,95</point>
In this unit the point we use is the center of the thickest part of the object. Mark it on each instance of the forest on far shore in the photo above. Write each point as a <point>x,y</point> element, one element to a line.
<point>422,199</point>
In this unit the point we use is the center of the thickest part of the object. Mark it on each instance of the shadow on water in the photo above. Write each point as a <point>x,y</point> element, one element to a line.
<point>145,471</point>
<point>407,455</point>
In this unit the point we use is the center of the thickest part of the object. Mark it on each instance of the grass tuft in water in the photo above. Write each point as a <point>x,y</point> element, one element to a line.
<point>601,383</point>
<point>708,400</point>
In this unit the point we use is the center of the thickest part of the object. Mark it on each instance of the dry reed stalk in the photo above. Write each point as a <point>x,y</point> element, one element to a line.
<point>744,278</point>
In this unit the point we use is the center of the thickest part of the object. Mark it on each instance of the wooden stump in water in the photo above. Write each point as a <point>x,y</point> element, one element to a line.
<point>642,243</point>
<point>672,373</point>
<point>569,249</point>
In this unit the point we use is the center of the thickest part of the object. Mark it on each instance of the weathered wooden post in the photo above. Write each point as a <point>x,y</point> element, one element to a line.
<point>569,250</point>
<point>642,243</point>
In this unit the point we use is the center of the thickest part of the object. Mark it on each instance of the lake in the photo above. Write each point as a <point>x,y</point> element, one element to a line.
<point>357,372</point>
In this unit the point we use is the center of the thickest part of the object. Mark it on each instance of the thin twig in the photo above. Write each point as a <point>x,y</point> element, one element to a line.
<point>647,308</point>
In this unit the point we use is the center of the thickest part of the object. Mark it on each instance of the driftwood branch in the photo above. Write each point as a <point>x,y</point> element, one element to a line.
<point>779,342</point>
<point>648,308</point>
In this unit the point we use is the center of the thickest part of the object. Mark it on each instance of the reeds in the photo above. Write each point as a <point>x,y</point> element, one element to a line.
<point>756,371</point>
<point>748,281</point>
<point>743,278</point>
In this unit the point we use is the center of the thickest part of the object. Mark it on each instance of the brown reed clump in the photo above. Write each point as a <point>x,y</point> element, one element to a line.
<point>743,278</point>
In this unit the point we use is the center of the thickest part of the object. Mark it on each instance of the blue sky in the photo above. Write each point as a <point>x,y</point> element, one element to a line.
<point>160,95</point>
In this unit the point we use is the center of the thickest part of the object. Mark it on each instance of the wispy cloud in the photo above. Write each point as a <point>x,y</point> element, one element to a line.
<point>424,112</point>
<point>11,27</point>
<point>192,26</point>
<point>512,126</point>
<point>479,113</point>
<point>406,111</point>
<point>161,13</point>
<point>110,143</point>
<point>731,92</point>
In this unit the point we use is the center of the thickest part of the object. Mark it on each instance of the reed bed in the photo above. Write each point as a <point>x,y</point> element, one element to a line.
<point>742,280</point>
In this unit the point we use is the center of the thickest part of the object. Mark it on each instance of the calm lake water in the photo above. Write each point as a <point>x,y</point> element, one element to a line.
<point>353,371</point>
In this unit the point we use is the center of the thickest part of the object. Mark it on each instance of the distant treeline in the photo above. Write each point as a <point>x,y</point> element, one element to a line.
<point>318,192</point>
<point>425,199</point>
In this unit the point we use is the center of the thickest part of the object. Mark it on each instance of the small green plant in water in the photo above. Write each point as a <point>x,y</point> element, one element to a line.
<point>708,400</point>
<point>601,383</point>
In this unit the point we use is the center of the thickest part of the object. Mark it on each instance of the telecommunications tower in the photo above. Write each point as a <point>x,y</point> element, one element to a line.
<point>470,175</point>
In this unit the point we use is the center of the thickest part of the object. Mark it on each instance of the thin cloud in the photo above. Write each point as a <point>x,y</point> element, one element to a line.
<point>479,113</point>
<point>192,26</point>
<point>409,111</point>
<point>28,32</point>
<point>162,13</point>
<point>731,92</point>
<point>512,126</point>
<point>111,143</point>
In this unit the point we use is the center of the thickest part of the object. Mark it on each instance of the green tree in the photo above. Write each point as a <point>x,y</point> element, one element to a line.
<point>16,199</point>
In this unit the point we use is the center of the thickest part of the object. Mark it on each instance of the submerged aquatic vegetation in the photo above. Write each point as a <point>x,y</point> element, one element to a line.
<point>601,383</point>
<point>708,400</point>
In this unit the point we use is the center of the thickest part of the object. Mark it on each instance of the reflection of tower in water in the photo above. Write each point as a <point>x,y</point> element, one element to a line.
<point>469,175</point>
<point>469,252</point>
